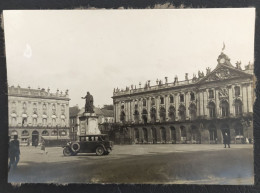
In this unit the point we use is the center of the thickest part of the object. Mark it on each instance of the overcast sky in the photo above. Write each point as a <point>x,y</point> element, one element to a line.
<point>99,50</point>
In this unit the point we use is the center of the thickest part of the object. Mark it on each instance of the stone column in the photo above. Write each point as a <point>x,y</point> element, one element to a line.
<point>166,101</point>
<point>187,100</point>
<point>250,98</point>
<point>244,98</point>
<point>205,102</point>
<point>176,101</point>
<point>119,111</point>
<point>201,103</point>
<point>140,108</point>
<point>157,101</point>
<point>132,110</point>
<point>126,111</point>
<point>230,100</point>
<point>217,109</point>
<point>148,109</point>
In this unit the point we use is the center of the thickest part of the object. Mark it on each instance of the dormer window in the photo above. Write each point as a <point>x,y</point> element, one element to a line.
<point>144,103</point>
<point>237,91</point>
<point>192,96</point>
<point>181,98</point>
<point>171,99</point>
<point>162,100</point>
<point>211,94</point>
<point>153,101</point>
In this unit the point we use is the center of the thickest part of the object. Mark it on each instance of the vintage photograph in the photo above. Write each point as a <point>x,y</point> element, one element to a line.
<point>151,96</point>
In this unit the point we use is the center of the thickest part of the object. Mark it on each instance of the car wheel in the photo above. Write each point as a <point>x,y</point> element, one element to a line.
<point>66,151</point>
<point>100,150</point>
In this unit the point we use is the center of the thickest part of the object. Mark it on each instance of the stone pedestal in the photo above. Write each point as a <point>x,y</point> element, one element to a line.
<point>88,124</point>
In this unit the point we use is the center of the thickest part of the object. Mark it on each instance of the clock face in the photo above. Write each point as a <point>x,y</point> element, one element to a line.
<point>222,60</point>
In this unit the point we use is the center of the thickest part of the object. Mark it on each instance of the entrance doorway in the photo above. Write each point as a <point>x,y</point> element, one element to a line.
<point>163,134</point>
<point>195,133</point>
<point>213,137</point>
<point>154,134</point>
<point>35,138</point>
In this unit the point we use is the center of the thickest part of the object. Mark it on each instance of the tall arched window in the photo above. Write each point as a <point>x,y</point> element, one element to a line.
<point>34,121</point>
<point>225,109</point>
<point>24,107</point>
<point>212,109</point>
<point>171,99</point>
<point>62,109</point>
<point>35,108</point>
<point>162,114</point>
<point>153,115</point>
<point>44,121</point>
<point>53,122</point>
<point>13,123</point>
<point>172,113</point>
<point>53,109</point>
<point>193,111</point>
<point>237,91</point>
<point>238,107</point>
<point>144,116</point>
<point>144,103</point>
<point>136,116</point>
<point>122,116</point>
<point>211,94</point>
<point>162,100</point>
<point>152,101</point>
<point>192,96</point>
<point>182,113</point>
<point>181,98</point>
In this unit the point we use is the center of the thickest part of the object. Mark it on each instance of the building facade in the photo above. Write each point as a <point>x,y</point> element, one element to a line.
<point>34,113</point>
<point>197,110</point>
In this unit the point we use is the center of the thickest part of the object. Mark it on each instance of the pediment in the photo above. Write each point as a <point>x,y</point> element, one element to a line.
<point>223,72</point>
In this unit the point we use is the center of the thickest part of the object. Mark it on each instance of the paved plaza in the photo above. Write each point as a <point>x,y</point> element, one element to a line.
<point>160,163</point>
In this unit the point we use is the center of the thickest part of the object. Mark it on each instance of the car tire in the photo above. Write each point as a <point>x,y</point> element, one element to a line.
<point>66,151</point>
<point>106,153</point>
<point>100,151</point>
<point>75,147</point>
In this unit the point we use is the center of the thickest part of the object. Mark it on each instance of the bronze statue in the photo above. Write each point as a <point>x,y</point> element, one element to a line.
<point>89,107</point>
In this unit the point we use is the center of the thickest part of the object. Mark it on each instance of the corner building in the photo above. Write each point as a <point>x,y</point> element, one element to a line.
<point>34,113</point>
<point>197,110</point>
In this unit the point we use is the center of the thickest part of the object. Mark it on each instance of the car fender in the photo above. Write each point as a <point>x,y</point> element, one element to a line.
<point>101,145</point>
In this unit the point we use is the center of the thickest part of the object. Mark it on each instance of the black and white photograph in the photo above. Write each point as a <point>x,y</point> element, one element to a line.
<point>151,96</point>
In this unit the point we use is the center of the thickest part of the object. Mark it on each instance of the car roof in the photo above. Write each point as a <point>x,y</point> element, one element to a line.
<point>93,135</point>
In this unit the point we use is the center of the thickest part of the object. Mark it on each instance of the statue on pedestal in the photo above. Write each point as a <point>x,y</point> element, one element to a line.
<point>89,107</point>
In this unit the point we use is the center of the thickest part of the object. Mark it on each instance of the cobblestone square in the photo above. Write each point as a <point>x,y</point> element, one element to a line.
<point>162,164</point>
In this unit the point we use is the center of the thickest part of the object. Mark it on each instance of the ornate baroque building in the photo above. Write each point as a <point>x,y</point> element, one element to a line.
<point>34,113</point>
<point>197,110</point>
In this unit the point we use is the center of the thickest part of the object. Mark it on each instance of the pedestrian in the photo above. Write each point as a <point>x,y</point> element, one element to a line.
<point>28,142</point>
<point>9,163</point>
<point>14,152</point>
<point>35,143</point>
<point>226,140</point>
<point>43,147</point>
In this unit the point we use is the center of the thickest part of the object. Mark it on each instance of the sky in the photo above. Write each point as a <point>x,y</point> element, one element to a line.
<point>99,50</point>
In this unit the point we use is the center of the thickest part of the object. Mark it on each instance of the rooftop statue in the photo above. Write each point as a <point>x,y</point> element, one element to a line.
<point>89,107</point>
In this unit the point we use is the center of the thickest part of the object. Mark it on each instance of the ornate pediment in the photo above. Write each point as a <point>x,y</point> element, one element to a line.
<point>223,73</point>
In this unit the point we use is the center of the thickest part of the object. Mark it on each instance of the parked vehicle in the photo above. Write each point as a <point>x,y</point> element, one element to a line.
<point>98,144</point>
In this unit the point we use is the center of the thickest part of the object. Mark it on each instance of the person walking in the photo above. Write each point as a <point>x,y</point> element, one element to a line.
<point>43,147</point>
<point>226,140</point>
<point>14,152</point>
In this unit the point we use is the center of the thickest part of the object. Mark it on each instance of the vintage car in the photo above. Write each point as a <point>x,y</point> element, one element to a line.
<point>98,144</point>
